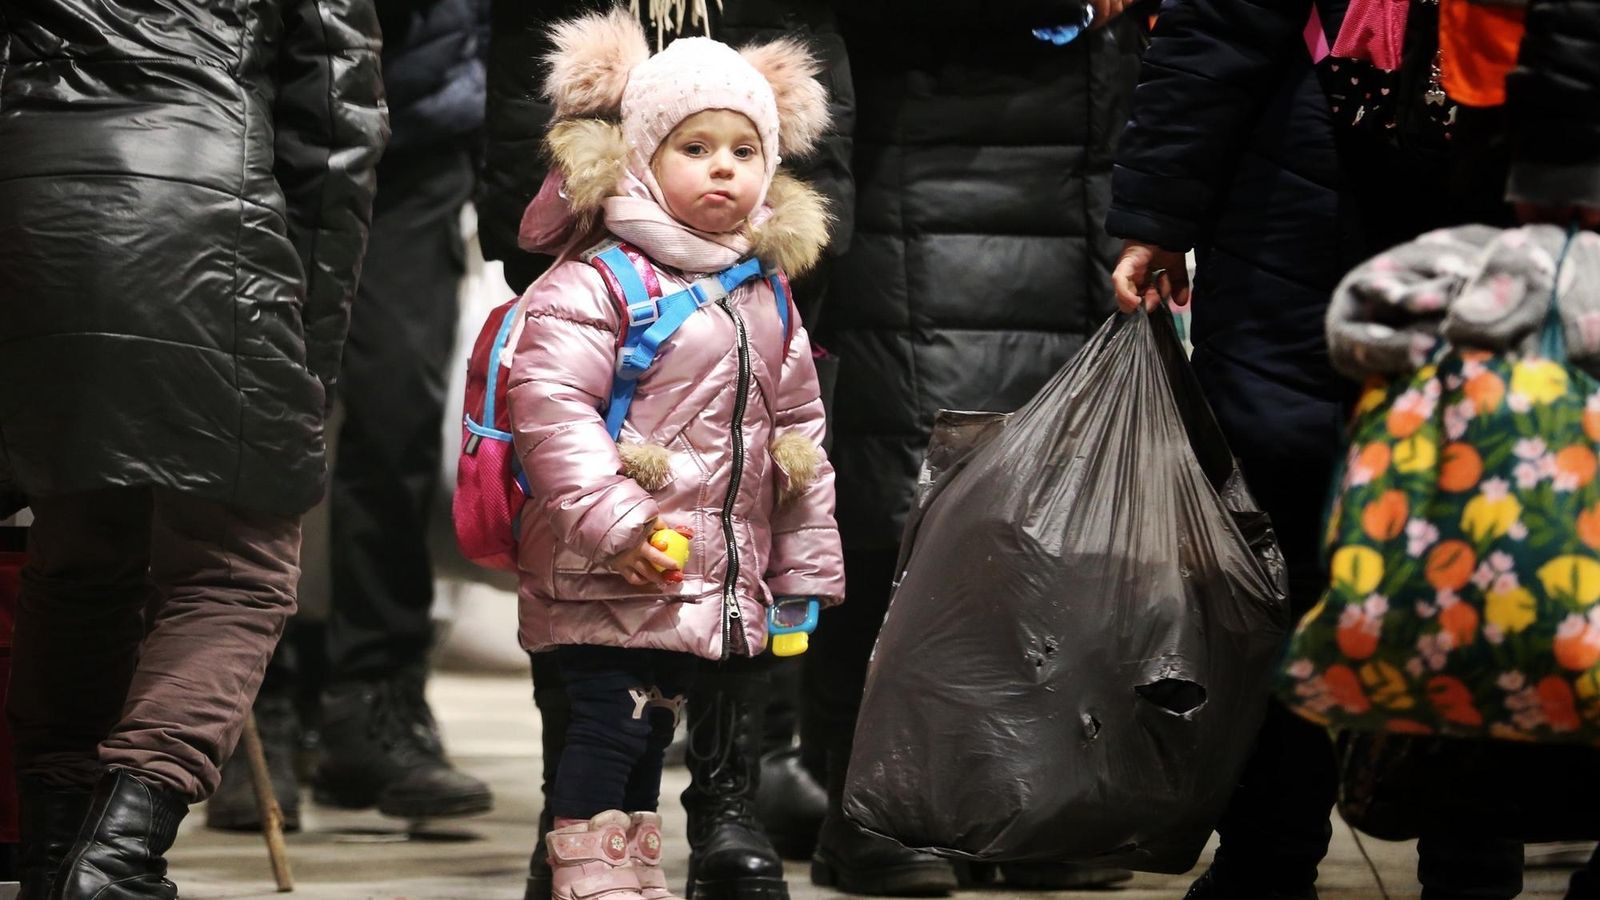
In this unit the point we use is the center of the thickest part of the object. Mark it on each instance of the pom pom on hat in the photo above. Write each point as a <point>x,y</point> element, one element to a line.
<point>802,101</point>
<point>591,61</point>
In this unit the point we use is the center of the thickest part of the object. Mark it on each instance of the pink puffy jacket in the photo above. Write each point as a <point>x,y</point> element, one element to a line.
<point>725,433</point>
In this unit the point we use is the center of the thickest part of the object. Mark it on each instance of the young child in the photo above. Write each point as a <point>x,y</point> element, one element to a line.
<point>676,156</point>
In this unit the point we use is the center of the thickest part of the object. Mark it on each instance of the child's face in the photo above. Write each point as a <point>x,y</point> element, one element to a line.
<point>710,170</point>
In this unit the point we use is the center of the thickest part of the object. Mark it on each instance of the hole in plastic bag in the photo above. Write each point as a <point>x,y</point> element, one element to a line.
<point>1091,726</point>
<point>1174,695</point>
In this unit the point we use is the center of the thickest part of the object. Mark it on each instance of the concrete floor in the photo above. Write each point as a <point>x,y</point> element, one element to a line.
<point>492,731</point>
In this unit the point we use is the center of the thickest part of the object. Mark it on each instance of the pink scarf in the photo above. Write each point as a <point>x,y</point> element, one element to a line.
<point>548,226</point>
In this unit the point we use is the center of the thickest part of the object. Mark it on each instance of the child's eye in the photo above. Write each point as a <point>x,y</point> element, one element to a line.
<point>694,149</point>
<point>744,153</point>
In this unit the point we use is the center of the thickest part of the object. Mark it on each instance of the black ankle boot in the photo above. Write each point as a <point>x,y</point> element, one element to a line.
<point>855,862</point>
<point>379,748</point>
<point>119,853</point>
<point>233,807</point>
<point>730,857</point>
<point>51,817</point>
<point>555,712</point>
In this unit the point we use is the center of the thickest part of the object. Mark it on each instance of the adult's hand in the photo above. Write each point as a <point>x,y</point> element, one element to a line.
<point>1149,274</point>
<point>1107,10</point>
<point>1540,214</point>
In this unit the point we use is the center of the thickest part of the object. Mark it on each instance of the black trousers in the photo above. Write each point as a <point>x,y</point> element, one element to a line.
<point>835,667</point>
<point>392,386</point>
<point>624,706</point>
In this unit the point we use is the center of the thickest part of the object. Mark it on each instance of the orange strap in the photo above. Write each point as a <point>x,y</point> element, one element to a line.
<point>1478,46</point>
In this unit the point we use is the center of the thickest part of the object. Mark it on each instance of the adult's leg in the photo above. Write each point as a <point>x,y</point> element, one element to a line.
<point>1276,827</point>
<point>392,387</point>
<point>80,618</point>
<point>225,583</point>
<point>380,744</point>
<point>225,580</point>
<point>1464,867</point>
<point>835,678</point>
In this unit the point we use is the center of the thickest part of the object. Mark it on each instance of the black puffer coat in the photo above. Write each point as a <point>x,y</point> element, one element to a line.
<point>979,262</point>
<point>1554,100</point>
<point>184,196</point>
<point>514,161</point>
<point>434,53</point>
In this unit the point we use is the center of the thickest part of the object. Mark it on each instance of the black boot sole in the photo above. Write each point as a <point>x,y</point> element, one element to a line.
<point>1048,877</point>
<point>537,889</point>
<point>923,879</point>
<point>740,889</point>
<point>250,824</point>
<point>436,807</point>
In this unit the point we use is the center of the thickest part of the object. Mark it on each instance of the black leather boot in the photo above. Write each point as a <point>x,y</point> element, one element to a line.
<point>555,711</point>
<point>791,804</point>
<point>855,862</point>
<point>120,850</point>
<point>51,817</point>
<point>730,858</point>
<point>379,749</point>
<point>233,807</point>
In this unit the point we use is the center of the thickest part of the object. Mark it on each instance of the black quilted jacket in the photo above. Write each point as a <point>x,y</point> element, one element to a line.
<point>979,262</point>
<point>185,189</point>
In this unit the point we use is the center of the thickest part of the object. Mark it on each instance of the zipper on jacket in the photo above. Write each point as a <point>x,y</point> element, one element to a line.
<point>732,618</point>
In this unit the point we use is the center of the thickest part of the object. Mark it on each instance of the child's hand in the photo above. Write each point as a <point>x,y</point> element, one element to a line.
<point>645,564</point>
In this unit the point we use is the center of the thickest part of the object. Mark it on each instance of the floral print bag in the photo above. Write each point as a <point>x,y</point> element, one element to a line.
<point>1464,552</point>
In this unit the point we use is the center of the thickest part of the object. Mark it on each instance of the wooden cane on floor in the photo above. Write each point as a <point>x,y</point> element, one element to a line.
<point>267,805</point>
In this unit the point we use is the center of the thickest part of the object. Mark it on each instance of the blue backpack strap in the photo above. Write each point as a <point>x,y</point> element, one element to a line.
<point>485,428</point>
<point>634,297</point>
<point>780,291</point>
<point>651,321</point>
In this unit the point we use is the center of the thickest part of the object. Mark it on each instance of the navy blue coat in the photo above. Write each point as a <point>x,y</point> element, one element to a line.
<point>1230,151</point>
<point>434,53</point>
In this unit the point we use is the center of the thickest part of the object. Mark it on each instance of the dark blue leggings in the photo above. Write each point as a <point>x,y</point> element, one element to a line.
<point>625,705</point>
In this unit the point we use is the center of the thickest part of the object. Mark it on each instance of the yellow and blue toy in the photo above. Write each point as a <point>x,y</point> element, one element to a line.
<point>790,623</point>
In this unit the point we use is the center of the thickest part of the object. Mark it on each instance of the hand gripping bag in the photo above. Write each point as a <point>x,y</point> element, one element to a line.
<point>1078,652</point>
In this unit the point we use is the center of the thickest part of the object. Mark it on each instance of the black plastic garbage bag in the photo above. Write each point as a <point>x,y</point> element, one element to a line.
<point>1076,659</point>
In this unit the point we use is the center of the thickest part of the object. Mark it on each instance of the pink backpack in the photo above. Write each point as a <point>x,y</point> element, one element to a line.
<point>490,485</point>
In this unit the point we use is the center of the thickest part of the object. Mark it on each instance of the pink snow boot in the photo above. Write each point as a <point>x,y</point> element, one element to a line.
<point>644,848</point>
<point>589,860</point>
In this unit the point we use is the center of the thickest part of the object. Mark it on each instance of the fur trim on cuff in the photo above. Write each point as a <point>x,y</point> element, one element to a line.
<point>790,68</point>
<point>592,158</point>
<point>648,464</point>
<point>591,60</point>
<point>792,238</point>
<point>799,460</point>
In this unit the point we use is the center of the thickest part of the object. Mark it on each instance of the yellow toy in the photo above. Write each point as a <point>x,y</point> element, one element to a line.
<point>674,544</point>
